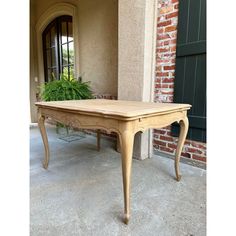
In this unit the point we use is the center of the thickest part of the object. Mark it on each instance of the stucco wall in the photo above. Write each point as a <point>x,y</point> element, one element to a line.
<point>33,66</point>
<point>98,44</point>
<point>97,25</point>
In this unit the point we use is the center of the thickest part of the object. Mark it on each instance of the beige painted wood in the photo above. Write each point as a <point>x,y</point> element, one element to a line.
<point>183,133</point>
<point>126,118</point>
<point>41,120</point>
<point>126,140</point>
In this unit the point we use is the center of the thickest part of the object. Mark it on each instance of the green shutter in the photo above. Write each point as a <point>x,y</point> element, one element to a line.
<point>190,74</point>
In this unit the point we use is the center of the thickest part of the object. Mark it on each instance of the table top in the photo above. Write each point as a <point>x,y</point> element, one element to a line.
<point>122,108</point>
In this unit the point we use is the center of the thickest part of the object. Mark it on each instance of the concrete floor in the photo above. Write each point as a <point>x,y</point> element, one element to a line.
<point>81,192</point>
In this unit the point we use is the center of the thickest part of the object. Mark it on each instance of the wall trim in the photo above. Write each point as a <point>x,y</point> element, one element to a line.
<point>51,13</point>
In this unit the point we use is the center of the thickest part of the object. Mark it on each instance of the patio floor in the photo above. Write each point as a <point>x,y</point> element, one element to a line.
<point>81,192</point>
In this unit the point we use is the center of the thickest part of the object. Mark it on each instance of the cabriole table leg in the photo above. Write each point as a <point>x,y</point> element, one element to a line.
<point>41,125</point>
<point>126,142</point>
<point>183,133</point>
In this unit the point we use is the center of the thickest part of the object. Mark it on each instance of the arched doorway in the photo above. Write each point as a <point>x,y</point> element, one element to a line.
<point>58,48</point>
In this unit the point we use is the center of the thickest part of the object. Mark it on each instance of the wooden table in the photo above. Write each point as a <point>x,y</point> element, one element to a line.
<point>126,118</point>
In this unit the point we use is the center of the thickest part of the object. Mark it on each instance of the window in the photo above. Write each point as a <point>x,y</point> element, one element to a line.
<point>58,49</point>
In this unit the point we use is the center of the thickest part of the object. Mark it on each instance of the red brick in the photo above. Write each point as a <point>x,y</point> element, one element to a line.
<point>162,73</point>
<point>170,99</point>
<point>184,154</point>
<point>170,28</point>
<point>173,34</point>
<point>171,15</point>
<point>188,142</point>
<point>168,132</point>
<point>199,158</point>
<point>171,86</point>
<point>163,36</point>
<point>157,85</point>
<point>159,131</point>
<point>167,80</point>
<point>159,68</point>
<point>164,23</point>
<point>159,44</point>
<point>160,30</point>
<point>166,9</point>
<point>166,149</point>
<point>163,5</point>
<point>198,145</point>
<point>193,150</point>
<point>172,145</point>
<point>162,61</point>
<point>176,6</point>
<point>174,1</point>
<point>169,67</point>
<point>173,49</point>
<point>167,42</point>
<point>166,138</point>
<point>160,143</point>
<point>164,86</point>
<point>167,49</point>
<point>169,55</point>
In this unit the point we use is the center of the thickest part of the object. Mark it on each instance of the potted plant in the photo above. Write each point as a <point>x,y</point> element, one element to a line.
<point>67,88</point>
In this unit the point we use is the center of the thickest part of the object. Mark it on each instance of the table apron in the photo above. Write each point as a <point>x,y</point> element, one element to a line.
<point>82,121</point>
<point>159,121</point>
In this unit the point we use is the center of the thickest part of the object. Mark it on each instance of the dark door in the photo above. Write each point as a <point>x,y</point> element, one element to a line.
<point>190,74</point>
<point>58,49</point>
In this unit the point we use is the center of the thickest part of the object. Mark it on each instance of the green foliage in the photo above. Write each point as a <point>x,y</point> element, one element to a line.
<point>66,74</point>
<point>65,89</point>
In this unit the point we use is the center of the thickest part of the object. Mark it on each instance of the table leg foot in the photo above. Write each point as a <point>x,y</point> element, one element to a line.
<point>45,165</point>
<point>42,129</point>
<point>126,219</point>
<point>183,133</point>
<point>178,178</point>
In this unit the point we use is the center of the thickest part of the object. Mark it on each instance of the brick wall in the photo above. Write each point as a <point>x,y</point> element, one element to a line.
<point>164,80</point>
